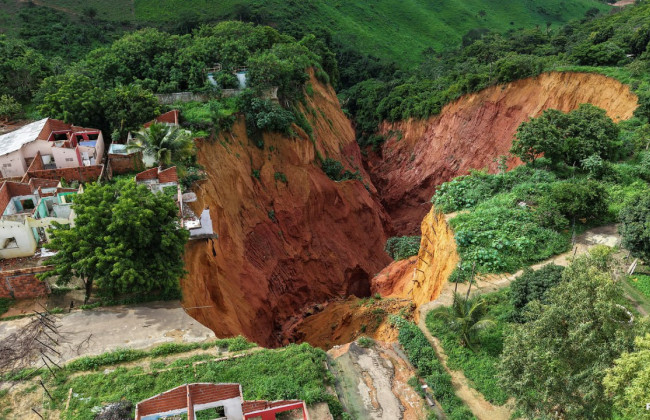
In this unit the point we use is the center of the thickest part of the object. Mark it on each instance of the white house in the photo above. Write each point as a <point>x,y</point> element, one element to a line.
<point>61,146</point>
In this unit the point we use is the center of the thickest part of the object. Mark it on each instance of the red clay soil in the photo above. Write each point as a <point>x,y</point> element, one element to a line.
<point>471,132</point>
<point>282,247</point>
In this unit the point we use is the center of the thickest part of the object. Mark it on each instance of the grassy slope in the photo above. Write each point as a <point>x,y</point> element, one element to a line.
<point>393,29</point>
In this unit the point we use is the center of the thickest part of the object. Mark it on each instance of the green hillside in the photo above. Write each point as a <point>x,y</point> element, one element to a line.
<point>398,30</point>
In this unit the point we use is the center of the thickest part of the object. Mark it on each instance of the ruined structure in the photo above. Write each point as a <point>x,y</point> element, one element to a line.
<point>222,401</point>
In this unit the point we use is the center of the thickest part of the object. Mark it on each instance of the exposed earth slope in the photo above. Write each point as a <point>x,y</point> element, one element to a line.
<point>472,132</point>
<point>282,246</point>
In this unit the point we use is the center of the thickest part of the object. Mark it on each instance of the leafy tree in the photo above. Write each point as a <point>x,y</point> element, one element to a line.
<point>467,316</point>
<point>264,114</point>
<point>22,69</point>
<point>628,380</point>
<point>635,226</point>
<point>126,108</point>
<point>9,108</point>
<point>554,364</point>
<point>533,285</point>
<point>73,98</point>
<point>168,144</point>
<point>125,239</point>
<point>567,138</point>
<point>579,199</point>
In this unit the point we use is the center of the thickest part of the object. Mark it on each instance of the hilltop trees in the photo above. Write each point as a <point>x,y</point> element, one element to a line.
<point>125,239</point>
<point>567,138</point>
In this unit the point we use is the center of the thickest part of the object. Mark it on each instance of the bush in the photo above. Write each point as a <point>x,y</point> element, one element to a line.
<point>423,357</point>
<point>533,285</point>
<point>468,191</point>
<point>635,226</point>
<point>335,171</point>
<point>265,115</point>
<point>500,236</point>
<point>9,108</point>
<point>579,199</point>
<point>403,247</point>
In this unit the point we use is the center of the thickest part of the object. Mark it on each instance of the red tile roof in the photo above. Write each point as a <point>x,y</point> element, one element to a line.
<point>170,117</point>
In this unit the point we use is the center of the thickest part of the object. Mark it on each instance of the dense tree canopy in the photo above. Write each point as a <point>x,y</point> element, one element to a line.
<point>555,363</point>
<point>567,138</point>
<point>629,380</point>
<point>533,285</point>
<point>125,239</point>
<point>635,226</point>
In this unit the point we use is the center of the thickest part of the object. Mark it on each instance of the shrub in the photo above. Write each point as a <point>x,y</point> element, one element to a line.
<point>335,171</point>
<point>533,285</point>
<point>365,342</point>
<point>635,226</point>
<point>403,247</point>
<point>423,357</point>
<point>9,108</point>
<point>578,199</point>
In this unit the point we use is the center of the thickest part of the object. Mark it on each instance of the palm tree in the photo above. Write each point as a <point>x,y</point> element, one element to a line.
<point>467,316</point>
<point>166,143</point>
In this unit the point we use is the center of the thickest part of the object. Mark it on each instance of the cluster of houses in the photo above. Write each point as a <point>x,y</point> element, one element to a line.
<point>45,163</point>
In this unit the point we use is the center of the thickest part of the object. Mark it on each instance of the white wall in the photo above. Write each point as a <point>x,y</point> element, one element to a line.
<point>30,149</point>
<point>61,154</point>
<point>232,408</point>
<point>24,239</point>
<point>16,164</point>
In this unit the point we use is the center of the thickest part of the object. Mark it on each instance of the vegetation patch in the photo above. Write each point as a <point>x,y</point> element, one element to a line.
<point>403,247</point>
<point>423,357</point>
<point>479,365</point>
<point>642,283</point>
<point>296,371</point>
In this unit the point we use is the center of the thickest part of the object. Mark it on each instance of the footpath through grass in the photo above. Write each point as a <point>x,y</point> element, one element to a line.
<point>480,366</point>
<point>423,357</point>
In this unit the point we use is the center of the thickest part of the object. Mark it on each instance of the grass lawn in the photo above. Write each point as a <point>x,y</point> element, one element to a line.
<point>641,282</point>
<point>295,371</point>
<point>479,367</point>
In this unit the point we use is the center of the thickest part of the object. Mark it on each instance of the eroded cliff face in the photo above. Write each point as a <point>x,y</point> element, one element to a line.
<point>472,132</point>
<point>282,246</point>
<point>420,278</point>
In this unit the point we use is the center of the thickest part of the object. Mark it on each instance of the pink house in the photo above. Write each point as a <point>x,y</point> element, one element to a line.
<point>60,145</point>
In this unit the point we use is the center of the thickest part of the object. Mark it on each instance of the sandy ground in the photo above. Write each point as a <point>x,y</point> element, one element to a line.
<point>372,382</point>
<point>482,409</point>
<point>94,332</point>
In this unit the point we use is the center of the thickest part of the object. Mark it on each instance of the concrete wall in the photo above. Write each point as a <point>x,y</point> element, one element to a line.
<point>170,98</point>
<point>65,158</point>
<point>13,164</point>
<point>25,245</point>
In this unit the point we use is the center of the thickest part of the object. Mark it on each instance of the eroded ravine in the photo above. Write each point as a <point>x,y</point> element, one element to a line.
<point>282,246</point>
<point>472,132</point>
<point>285,249</point>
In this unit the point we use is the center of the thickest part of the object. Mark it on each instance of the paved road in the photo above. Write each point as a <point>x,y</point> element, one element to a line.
<point>135,327</point>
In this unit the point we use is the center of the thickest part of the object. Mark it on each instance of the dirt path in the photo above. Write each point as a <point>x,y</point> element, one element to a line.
<point>88,333</point>
<point>483,409</point>
<point>623,3</point>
